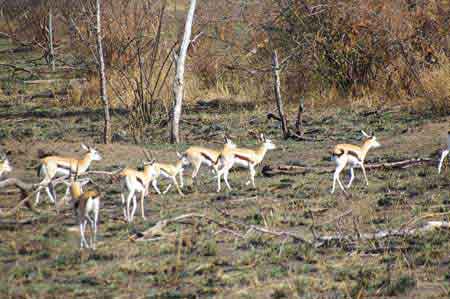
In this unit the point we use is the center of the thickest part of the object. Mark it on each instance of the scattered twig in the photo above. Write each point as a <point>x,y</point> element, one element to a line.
<point>348,212</point>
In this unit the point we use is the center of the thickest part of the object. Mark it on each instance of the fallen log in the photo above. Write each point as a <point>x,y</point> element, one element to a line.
<point>383,234</point>
<point>27,191</point>
<point>227,223</point>
<point>269,170</point>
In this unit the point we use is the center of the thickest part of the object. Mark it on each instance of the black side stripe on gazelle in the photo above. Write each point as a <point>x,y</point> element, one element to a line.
<point>207,157</point>
<point>140,181</point>
<point>354,154</point>
<point>243,158</point>
<point>64,167</point>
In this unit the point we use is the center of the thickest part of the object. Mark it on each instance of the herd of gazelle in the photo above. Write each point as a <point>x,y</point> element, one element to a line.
<point>87,204</point>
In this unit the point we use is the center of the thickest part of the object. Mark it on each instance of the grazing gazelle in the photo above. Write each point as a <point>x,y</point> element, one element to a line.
<point>354,155</point>
<point>444,153</point>
<point>53,166</point>
<point>197,155</point>
<point>133,182</point>
<point>248,158</point>
<point>170,171</point>
<point>4,165</point>
<point>86,207</point>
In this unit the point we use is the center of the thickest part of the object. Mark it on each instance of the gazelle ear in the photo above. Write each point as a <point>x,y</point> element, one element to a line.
<point>179,155</point>
<point>365,134</point>
<point>263,138</point>
<point>83,146</point>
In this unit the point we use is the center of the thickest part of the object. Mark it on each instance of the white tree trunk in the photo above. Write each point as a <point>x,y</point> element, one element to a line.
<point>277,91</point>
<point>178,84</point>
<point>50,39</point>
<point>102,75</point>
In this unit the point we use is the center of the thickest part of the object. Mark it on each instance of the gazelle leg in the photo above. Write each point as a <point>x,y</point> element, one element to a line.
<point>168,188</point>
<point>91,229</point>
<point>50,195</point>
<point>338,170</point>
<point>124,207</point>
<point>352,176</point>
<point>95,225</point>
<point>142,205</point>
<point>81,234</point>
<point>43,183</point>
<point>84,233</point>
<point>441,161</point>
<point>66,194</point>
<point>364,173</point>
<point>181,178</point>
<point>225,178</point>
<point>249,175</point>
<point>174,179</point>
<point>38,194</point>
<point>134,207</point>
<point>195,172</point>
<point>155,186</point>
<point>219,175</point>
<point>83,242</point>
<point>129,197</point>
<point>252,175</point>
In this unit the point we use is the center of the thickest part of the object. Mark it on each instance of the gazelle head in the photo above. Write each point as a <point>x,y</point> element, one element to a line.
<point>267,142</point>
<point>229,143</point>
<point>371,141</point>
<point>4,166</point>
<point>148,162</point>
<point>94,154</point>
<point>183,159</point>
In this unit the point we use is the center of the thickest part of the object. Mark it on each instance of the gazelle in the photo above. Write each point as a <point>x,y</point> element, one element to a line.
<point>197,156</point>
<point>53,166</point>
<point>86,207</point>
<point>170,171</point>
<point>247,158</point>
<point>133,182</point>
<point>4,165</point>
<point>444,153</point>
<point>353,155</point>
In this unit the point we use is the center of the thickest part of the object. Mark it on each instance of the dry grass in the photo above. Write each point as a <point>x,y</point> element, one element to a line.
<point>437,87</point>
<point>43,259</point>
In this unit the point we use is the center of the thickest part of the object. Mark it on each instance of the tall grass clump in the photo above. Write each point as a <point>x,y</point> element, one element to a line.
<point>436,85</point>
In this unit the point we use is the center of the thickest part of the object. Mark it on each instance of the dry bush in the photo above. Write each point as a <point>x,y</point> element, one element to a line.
<point>436,85</point>
<point>86,94</point>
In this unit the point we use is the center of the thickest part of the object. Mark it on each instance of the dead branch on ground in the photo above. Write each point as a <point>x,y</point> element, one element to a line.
<point>283,169</point>
<point>226,224</point>
<point>383,234</point>
<point>27,191</point>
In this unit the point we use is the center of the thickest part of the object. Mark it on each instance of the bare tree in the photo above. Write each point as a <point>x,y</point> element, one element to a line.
<point>102,74</point>
<point>178,84</point>
<point>276,87</point>
<point>50,39</point>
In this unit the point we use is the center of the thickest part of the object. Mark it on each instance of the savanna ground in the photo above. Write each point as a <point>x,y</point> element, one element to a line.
<point>198,258</point>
